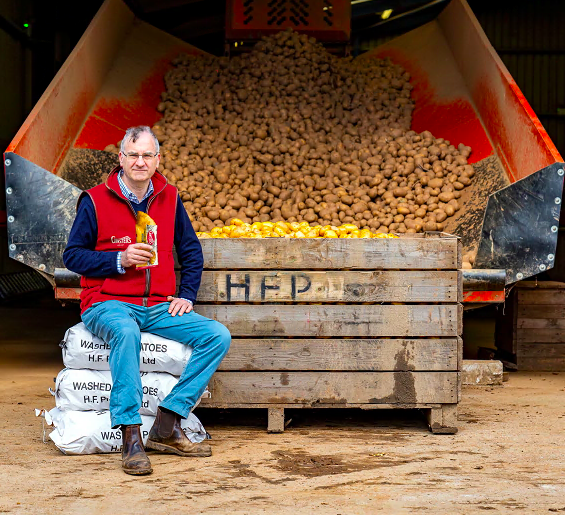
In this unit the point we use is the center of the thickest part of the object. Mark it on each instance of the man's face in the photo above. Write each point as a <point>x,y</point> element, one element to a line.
<point>139,170</point>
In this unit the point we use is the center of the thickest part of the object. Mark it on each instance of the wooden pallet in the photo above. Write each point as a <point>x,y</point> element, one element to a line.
<point>531,331</point>
<point>371,323</point>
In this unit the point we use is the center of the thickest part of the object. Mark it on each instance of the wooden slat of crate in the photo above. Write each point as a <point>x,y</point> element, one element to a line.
<point>541,311</point>
<point>541,296</point>
<point>328,253</point>
<point>541,356</point>
<point>543,364</point>
<point>540,285</point>
<point>308,388</point>
<point>334,354</point>
<point>540,336</point>
<point>330,286</point>
<point>532,329</point>
<point>337,320</point>
<point>541,323</point>
<point>227,405</point>
<point>542,349</point>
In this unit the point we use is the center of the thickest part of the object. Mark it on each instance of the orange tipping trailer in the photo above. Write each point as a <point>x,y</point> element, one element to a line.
<point>114,77</point>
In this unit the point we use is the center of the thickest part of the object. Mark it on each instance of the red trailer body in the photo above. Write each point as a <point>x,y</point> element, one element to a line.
<point>114,77</point>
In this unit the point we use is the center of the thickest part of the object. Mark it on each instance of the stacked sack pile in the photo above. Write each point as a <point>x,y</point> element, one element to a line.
<point>82,391</point>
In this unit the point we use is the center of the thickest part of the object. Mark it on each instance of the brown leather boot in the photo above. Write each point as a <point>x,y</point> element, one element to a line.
<point>167,436</point>
<point>134,459</point>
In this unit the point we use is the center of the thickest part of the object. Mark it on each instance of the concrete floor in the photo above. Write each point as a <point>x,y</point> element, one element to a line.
<point>507,457</point>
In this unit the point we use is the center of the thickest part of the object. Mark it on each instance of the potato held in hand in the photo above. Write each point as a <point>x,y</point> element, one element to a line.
<point>146,232</point>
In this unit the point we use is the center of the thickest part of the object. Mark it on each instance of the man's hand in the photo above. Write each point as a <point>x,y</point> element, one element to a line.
<point>136,254</point>
<point>180,306</point>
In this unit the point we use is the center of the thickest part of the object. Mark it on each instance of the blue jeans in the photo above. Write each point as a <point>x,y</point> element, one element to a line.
<point>119,324</point>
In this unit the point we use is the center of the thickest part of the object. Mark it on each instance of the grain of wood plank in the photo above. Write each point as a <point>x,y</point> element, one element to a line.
<point>443,420</point>
<point>541,297</point>
<point>540,323</point>
<point>337,320</point>
<point>434,417</point>
<point>328,253</point>
<point>333,387</point>
<point>275,420</point>
<point>540,335</point>
<point>541,350</point>
<point>211,404</point>
<point>334,354</point>
<point>543,364</point>
<point>536,285</point>
<point>541,311</point>
<point>329,286</point>
<point>449,412</point>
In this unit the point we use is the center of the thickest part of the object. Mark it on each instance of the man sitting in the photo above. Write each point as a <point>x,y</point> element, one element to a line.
<point>118,300</point>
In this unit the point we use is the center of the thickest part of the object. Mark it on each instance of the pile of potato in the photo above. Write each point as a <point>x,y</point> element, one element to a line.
<point>240,229</point>
<point>289,132</point>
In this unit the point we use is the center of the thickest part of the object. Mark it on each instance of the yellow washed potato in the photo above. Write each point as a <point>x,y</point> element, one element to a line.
<point>291,230</point>
<point>238,232</point>
<point>283,226</point>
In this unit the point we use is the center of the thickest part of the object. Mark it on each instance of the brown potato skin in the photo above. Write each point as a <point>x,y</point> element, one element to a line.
<point>288,131</point>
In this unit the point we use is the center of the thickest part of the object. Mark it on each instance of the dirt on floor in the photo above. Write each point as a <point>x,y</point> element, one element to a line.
<point>508,455</point>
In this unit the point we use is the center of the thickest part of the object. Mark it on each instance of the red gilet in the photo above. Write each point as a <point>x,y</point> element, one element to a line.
<point>116,220</point>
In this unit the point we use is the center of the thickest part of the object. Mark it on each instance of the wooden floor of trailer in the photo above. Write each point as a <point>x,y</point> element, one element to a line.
<point>507,457</point>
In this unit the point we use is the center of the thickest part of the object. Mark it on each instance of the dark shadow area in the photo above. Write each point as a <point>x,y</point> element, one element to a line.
<point>478,332</point>
<point>303,420</point>
<point>32,327</point>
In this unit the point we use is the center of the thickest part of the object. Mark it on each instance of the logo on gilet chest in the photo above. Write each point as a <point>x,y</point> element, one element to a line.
<point>120,242</point>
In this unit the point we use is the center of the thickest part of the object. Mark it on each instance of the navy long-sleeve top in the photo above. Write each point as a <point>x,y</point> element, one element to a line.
<point>80,257</point>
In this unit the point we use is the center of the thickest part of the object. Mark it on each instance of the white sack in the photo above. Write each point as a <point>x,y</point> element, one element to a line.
<point>81,349</point>
<point>90,390</point>
<point>90,432</point>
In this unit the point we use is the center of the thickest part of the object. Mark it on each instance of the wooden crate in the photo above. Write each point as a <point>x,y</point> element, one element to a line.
<point>531,331</point>
<point>366,323</point>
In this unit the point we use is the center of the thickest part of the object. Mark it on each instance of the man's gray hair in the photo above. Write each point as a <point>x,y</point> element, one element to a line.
<point>134,132</point>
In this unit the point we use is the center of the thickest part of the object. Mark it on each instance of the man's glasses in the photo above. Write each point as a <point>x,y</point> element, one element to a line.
<point>146,156</point>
